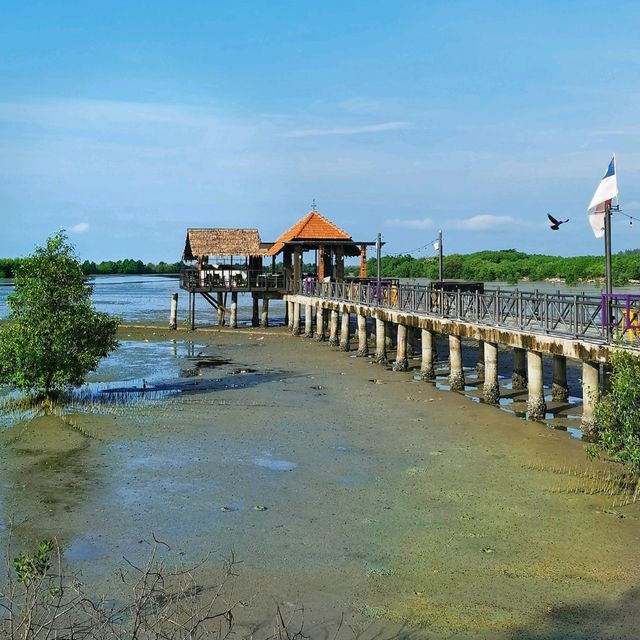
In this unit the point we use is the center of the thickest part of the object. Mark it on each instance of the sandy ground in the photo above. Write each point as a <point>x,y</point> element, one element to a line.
<point>410,511</point>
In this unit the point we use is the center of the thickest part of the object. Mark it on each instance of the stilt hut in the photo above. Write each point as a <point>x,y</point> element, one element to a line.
<point>329,243</point>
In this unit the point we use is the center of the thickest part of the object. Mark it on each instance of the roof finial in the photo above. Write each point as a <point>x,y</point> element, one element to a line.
<point>313,205</point>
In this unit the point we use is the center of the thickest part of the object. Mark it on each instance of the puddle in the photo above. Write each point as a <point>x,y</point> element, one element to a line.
<point>83,549</point>
<point>267,462</point>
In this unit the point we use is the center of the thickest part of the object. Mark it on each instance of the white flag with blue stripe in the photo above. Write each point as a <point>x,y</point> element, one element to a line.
<point>606,191</point>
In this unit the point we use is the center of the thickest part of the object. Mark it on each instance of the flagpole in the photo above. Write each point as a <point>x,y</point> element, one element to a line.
<point>608,280</point>
<point>440,260</point>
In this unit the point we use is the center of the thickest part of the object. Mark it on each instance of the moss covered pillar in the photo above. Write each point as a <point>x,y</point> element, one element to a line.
<point>490,389</point>
<point>401,363</point>
<point>456,372</point>
<point>536,405</point>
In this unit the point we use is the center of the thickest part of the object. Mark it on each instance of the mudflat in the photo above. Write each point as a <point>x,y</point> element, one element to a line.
<point>361,493</point>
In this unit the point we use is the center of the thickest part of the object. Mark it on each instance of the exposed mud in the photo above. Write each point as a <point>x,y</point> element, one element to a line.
<point>412,510</point>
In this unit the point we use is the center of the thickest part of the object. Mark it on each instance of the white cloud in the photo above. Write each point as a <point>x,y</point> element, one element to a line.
<point>410,223</point>
<point>347,131</point>
<point>81,227</point>
<point>484,223</point>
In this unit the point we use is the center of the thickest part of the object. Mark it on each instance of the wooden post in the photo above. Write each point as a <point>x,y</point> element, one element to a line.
<point>363,260</point>
<point>289,315</point>
<point>401,363</point>
<point>426,368</point>
<point>536,405</point>
<point>321,263</point>
<point>333,329</point>
<point>255,314</point>
<point>345,329</point>
<point>363,346</point>
<point>456,372</point>
<point>220,309</point>
<point>491,388</point>
<point>308,320</point>
<point>340,264</point>
<point>173,316</point>
<point>233,320</point>
<point>559,387</point>
<point>264,318</point>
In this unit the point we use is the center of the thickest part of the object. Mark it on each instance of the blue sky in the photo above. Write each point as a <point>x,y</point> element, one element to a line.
<point>127,125</point>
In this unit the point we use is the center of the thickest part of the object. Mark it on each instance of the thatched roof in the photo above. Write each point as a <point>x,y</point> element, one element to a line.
<point>223,242</point>
<point>310,228</point>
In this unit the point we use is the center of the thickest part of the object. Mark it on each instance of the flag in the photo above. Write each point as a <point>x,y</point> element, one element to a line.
<point>606,191</point>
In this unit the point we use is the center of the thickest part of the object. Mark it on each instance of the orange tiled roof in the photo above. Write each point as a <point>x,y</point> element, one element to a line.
<point>312,227</point>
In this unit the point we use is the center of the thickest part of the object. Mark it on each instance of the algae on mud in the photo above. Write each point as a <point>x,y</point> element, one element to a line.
<point>397,491</point>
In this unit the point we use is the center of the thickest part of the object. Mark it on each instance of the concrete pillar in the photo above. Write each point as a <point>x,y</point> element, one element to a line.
<point>401,363</point>
<point>559,387</point>
<point>254,315</point>
<point>456,373</point>
<point>536,405</point>
<point>480,361</point>
<point>490,389</point>
<point>519,374</point>
<point>264,318</point>
<point>590,394</point>
<point>381,343</point>
<point>173,315</point>
<point>295,329</point>
<point>308,320</point>
<point>363,345</point>
<point>333,329</point>
<point>289,315</point>
<point>426,368</point>
<point>320,337</point>
<point>233,319</point>
<point>345,329</point>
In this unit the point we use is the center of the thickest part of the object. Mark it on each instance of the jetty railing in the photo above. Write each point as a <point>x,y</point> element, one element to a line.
<point>578,316</point>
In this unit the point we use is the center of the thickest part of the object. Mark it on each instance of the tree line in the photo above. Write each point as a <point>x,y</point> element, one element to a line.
<point>106,267</point>
<point>509,266</point>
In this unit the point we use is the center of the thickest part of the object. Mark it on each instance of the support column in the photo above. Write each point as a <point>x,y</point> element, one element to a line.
<point>296,319</point>
<point>308,320</point>
<point>320,337</point>
<point>401,363</point>
<point>363,261</point>
<point>519,374</point>
<point>559,387</point>
<point>220,309</point>
<point>264,319</point>
<point>363,345</point>
<point>289,315</point>
<point>255,314</point>
<point>233,319</point>
<point>456,372</point>
<point>536,405</point>
<point>490,389</point>
<point>173,316</point>
<point>590,394</point>
<point>481,359</point>
<point>345,332</point>
<point>381,343</point>
<point>333,329</point>
<point>426,368</point>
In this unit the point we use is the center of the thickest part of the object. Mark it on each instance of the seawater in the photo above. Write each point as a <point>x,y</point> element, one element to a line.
<point>147,299</point>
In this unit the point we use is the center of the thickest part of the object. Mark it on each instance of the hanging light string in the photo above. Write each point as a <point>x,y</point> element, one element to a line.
<point>631,218</point>
<point>422,248</point>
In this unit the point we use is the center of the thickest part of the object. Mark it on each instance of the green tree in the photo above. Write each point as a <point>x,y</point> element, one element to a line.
<point>54,336</point>
<point>617,414</point>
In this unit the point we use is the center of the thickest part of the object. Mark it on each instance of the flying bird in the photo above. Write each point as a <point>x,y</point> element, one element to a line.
<point>555,224</point>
